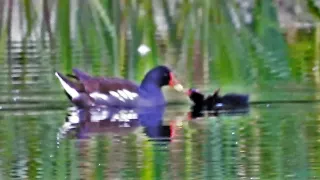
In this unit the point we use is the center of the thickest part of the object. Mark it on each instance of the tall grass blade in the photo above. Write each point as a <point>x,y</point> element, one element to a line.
<point>9,40</point>
<point>270,43</point>
<point>136,66</point>
<point>206,4</point>
<point>113,37</point>
<point>186,49</point>
<point>150,34</point>
<point>27,4</point>
<point>2,13</point>
<point>172,27</point>
<point>313,8</point>
<point>227,61</point>
<point>63,26</point>
<point>47,28</point>
<point>3,31</point>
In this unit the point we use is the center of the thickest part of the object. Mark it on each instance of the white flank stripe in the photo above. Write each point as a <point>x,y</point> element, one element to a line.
<point>134,94</point>
<point>131,95</point>
<point>127,93</point>
<point>71,91</point>
<point>123,94</point>
<point>96,95</point>
<point>115,94</point>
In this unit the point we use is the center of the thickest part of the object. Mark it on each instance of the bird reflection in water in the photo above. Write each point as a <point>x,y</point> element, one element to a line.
<point>83,123</point>
<point>197,111</point>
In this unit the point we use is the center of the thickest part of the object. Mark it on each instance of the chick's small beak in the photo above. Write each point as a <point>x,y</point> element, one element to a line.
<point>188,92</point>
<point>174,83</point>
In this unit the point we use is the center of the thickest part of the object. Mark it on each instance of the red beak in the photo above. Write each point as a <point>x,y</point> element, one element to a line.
<point>173,81</point>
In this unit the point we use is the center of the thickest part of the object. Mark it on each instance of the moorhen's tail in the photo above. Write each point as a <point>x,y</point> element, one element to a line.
<point>71,88</point>
<point>80,75</point>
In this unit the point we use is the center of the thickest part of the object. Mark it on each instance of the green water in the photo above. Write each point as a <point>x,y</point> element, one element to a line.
<point>272,141</point>
<point>278,138</point>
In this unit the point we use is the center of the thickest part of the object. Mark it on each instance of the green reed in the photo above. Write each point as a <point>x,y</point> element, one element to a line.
<point>206,41</point>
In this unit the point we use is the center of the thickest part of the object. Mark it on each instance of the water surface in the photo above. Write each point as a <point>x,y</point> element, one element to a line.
<point>271,141</point>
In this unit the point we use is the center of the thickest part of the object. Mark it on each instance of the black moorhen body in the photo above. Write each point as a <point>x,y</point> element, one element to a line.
<point>86,91</point>
<point>216,102</point>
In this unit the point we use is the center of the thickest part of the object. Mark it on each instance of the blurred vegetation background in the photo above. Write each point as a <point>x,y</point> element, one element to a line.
<point>270,48</point>
<point>236,43</point>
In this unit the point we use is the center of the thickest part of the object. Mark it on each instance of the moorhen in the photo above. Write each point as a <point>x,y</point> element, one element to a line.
<point>86,91</point>
<point>216,102</point>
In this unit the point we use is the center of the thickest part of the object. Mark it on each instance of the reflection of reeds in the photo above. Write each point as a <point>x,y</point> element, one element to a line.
<point>131,156</point>
<point>177,152</point>
<point>249,148</point>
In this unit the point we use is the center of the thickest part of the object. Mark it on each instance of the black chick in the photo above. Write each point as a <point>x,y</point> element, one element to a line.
<point>216,102</point>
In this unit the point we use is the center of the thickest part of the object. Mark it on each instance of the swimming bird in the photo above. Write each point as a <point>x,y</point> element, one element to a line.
<point>217,102</point>
<point>86,91</point>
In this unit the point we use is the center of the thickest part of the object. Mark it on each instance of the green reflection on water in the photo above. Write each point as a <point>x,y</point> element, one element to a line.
<point>271,142</point>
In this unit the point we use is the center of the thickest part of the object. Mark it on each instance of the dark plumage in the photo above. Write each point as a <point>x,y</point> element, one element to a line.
<point>217,102</point>
<point>87,91</point>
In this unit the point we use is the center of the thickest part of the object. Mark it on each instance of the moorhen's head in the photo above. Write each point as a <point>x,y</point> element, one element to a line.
<point>195,96</point>
<point>162,76</point>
